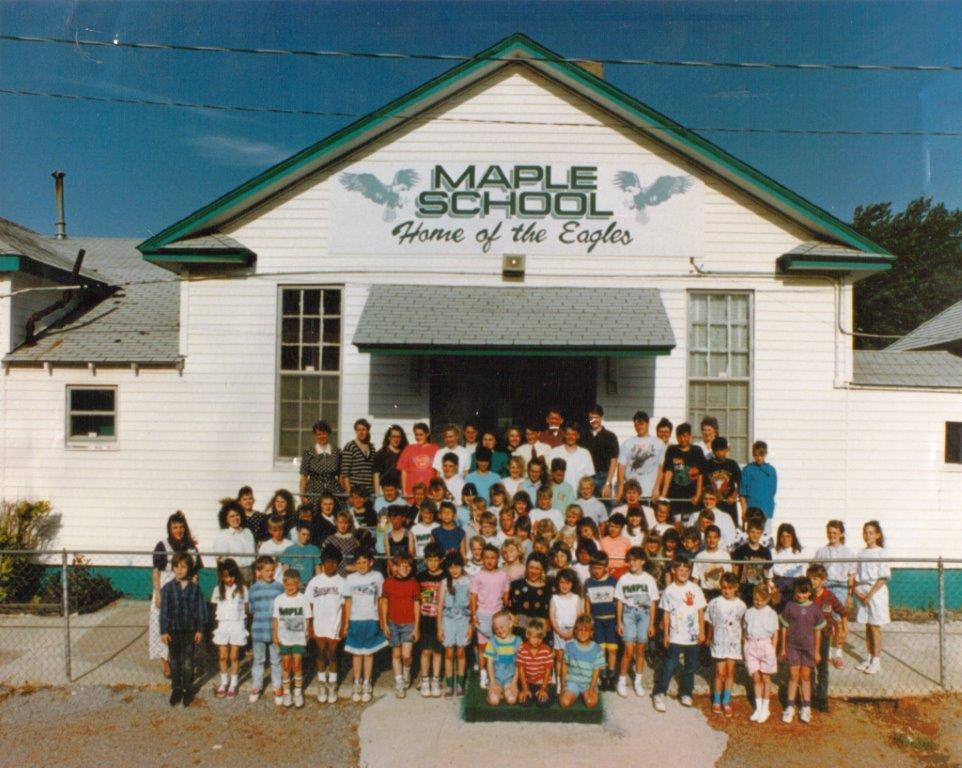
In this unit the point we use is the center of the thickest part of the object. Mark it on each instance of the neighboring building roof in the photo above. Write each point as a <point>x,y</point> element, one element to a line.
<point>515,320</point>
<point>513,50</point>
<point>138,324</point>
<point>819,256</point>
<point>943,329</point>
<point>23,250</point>
<point>208,249</point>
<point>930,370</point>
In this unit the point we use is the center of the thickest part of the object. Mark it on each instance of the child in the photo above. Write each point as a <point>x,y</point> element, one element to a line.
<point>756,559</point>
<point>681,478</point>
<point>565,607</point>
<point>511,557</point>
<point>801,637</point>
<point>489,530</point>
<point>585,552</point>
<point>562,494</point>
<point>476,563</point>
<point>454,630</point>
<point>362,590</point>
<point>261,597</point>
<point>636,596</point>
<point>729,532</point>
<point>522,532</point>
<point>683,630</point>
<point>600,599</point>
<point>512,483</point>
<point>535,661</point>
<point>631,493</point>
<point>499,498</point>
<point>560,559</point>
<point>500,656</point>
<point>615,545</point>
<point>303,556</point>
<point>452,476</point>
<point>690,542</point>
<point>636,526</point>
<point>230,603</point>
<point>836,620</point>
<point>710,564</point>
<point>483,478</point>
<point>521,502</point>
<point>423,528</point>
<point>275,544</point>
<point>787,549</point>
<point>662,517</point>
<point>724,476</point>
<point>724,616</point>
<point>399,612</point>
<point>430,581</point>
<point>292,627</point>
<point>572,516</point>
<point>390,494</point>
<point>582,664</point>
<point>872,593</point>
<point>398,540</point>
<point>761,637</point>
<point>840,580</point>
<point>325,592</point>
<point>182,619</point>
<point>488,592</point>
<point>450,536</point>
<point>591,506</point>
<point>546,510</point>
<point>362,512</point>
<point>343,540</point>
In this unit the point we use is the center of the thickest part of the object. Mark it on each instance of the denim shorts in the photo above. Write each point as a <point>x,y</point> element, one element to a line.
<point>401,633</point>
<point>634,621</point>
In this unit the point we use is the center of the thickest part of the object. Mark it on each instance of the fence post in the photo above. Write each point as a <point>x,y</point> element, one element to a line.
<point>942,649</point>
<point>65,608</point>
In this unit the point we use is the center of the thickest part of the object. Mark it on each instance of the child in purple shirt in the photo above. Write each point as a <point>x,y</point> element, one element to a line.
<point>801,633</point>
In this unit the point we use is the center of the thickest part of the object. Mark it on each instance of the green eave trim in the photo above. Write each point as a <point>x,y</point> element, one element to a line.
<point>612,98</point>
<point>788,264</point>
<point>517,351</point>
<point>9,263</point>
<point>243,259</point>
<point>30,266</point>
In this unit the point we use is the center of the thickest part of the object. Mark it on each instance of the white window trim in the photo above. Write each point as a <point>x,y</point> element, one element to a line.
<point>86,442</point>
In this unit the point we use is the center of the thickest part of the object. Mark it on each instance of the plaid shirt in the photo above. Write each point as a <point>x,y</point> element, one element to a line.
<point>181,610</point>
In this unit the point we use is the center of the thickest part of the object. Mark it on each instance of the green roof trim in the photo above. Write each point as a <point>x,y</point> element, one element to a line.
<point>240,258</point>
<point>788,263</point>
<point>9,263</point>
<point>517,351</point>
<point>670,134</point>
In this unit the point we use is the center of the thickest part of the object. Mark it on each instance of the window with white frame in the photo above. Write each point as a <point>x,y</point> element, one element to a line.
<point>309,362</point>
<point>720,365</point>
<point>91,415</point>
<point>953,442</point>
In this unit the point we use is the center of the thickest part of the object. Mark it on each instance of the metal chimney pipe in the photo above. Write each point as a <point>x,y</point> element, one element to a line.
<point>58,193</point>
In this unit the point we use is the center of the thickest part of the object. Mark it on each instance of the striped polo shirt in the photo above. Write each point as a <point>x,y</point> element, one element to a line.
<point>536,663</point>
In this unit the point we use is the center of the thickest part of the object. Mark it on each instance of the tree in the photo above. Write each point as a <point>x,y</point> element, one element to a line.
<point>925,279</point>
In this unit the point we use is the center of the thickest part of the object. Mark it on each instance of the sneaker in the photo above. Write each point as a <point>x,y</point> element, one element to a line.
<point>367,693</point>
<point>659,702</point>
<point>232,692</point>
<point>863,666</point>
<point>406,678</point>
<point>788,715</point>
<point>222,691</point>
<point>836,661</point>
<point>322,693</point>
<point>332,693</point>
<point>755,714</point>
<point>622,688</point>
<point>727,709</point>
<point>716,708</point>
<point>763,714</point>
<point>425,687</point>
<point>686,701</point>
<point>253,696</point>
<point>399,690</point>
<point>288,699</point>
<point>874,667</point>
<point>435,687</point>
<point>484,680</point>
<point>298,698</point>
<point>356,695</point>
<point>639,686</point>
<point>449,692</point>
<point>278,697</point>
<point>805,715</point>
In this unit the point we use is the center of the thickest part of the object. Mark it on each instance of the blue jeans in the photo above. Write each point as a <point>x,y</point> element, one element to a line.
<point>261,650</point>
<point>686,685</point>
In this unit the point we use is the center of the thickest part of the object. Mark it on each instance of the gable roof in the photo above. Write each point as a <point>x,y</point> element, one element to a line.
<point>517,48</point>
<point>23,250</point>
<point>943,329</point>
<point>928,370</point>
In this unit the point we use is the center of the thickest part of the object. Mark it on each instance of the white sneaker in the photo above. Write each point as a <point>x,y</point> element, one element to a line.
<point>322,693</point>
<point>253,696</point>
<point>332,693</point>
<point>406,677</point>
<point>279,697</point>
<point>788,715</point>
<point>298,698</point>
<point>399,690</point>
<point>639,686</point>
<point>622,688</point>
<point>288,699</point>
<point>356,695</point>
<point>863,667</point>
<point>874,667</point>
<point>367,692</point>
<point>436,687</point>
<point>764,713</point>
<point>686,701</point>
<point>484,680</point>
<point>755,714</point>
<point>425,687</point>
<point>659,702</point>
<point>805,715</point>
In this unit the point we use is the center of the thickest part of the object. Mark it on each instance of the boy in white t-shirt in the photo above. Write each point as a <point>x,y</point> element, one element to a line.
<point>292,627</point>
<point>683,630</point>
<point>711,563</point>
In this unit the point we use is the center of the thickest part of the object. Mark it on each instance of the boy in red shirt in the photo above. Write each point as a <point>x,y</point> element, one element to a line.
<point>836,617</point>
<point>535,661</point>
<point>400,614</point>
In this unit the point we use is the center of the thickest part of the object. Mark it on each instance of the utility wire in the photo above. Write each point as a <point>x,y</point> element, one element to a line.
<point>470,120</point>
<point>117,43</point>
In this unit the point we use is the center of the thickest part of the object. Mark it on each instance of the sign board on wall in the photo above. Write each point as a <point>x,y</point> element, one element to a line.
<point>553,208</point>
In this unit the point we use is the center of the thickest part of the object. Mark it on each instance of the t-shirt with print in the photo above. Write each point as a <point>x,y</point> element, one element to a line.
<point>417,461</point>
<point>292,613</point>
<point>754,572</point>
<point>489,586</point>
<point>582,661</point>
<point>637,590</point>
<point>326,595</point>
<point>724,476</point>
<point>831,607</point>
<point>430,591</point>
<point>401,595</point>
<point>681,465</point>
<point>363,590</point>
<point>536,663</point>
<point>725,617</point>
<point>802,621</point>
<point>422,537</point>
<point>682,602</point>
<point>642,458</point>
<point>600,596</point>
<point>708,567</point>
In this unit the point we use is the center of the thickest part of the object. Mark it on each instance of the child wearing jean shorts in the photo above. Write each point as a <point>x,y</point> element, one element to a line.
<point>583,662</point>
<point>636,598</point>
<point>454,631</point>
<point>761,637</point>
<point>399,613</point>
<point>500,656</point>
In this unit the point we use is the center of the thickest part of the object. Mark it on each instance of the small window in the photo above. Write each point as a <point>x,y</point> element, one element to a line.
<point>91,415</point>
<point>953,442</point>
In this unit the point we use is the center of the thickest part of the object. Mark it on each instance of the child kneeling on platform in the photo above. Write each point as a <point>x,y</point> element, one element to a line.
<point>535,660</point>
<point>583,662</point>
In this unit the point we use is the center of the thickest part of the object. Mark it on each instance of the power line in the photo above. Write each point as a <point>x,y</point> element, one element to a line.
<point>470,120</point>
<point>117,43</point>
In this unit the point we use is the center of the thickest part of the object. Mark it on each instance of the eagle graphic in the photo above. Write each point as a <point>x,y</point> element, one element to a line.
<point>387,195</point>
<point>639,198</point>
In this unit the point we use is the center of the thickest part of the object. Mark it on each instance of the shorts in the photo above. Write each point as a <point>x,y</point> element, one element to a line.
<point>760,656</point>
<point>559,642</point>
<point>364,637</point>
<point>400,634</point>
<point>456,631</point>
<point>634,622</point>
<point>484,627</point>
<point>504,674</point>
<point>230,633</point>
<point>428,636</point>
<point>576,687</point>
<point>293,650</point>
<point>606,633</point>
<point>800,657</point>
<point>876,610</point>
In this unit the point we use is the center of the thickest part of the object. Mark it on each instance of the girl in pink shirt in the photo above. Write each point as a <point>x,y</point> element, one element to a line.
<point>488,595</point>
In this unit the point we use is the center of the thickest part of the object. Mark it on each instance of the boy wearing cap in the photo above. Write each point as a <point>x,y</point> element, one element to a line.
<point>724,476</point>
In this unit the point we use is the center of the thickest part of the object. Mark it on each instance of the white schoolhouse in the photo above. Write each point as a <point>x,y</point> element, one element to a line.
<point>514,233</point>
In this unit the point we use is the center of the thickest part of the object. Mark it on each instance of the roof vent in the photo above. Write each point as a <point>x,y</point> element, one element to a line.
<point>58,193</point>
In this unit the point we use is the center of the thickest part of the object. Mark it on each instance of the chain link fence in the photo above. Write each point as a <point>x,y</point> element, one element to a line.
<point>86,616</point>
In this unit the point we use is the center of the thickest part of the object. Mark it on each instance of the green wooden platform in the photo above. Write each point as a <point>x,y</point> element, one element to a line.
<point>475,709</point>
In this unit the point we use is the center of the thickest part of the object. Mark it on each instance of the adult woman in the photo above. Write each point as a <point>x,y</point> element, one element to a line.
<point>282,505</point>
<point>530,596</point>
<point>320,466</point>
<point>178,539</point>
<point>385,460</point>
<point>357,461</point>
<point>233,539</point>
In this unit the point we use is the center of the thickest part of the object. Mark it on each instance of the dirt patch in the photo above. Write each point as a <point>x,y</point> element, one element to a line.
<point>891,734</point>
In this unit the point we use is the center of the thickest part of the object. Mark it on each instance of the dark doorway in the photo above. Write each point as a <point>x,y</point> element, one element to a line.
<point>497,391</point>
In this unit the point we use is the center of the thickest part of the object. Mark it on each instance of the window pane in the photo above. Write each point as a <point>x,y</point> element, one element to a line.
<point>738,395</point>
<point>309,358</point>
<point>92,400</point>
<point>290,415</point>
<point>92,426</point>
<point>717,309</point>
<point>699,336</point>
<point>739,338</point>
<point>290,442</point>
<point>739,308</point>
<point>290,330</point>
<point>718,338</point>
<point>699,364</point>
<point>717,397</point>
<point>290,388</point>
<point>312,302</point>
<point>329,413</point>
<point>739,365</point>
<point>312,330</point>
<point>310,388</point>
<point>332,331</point>
<point>289,358</point>
<point>698,308</point>
<point>291,302</point>
<point>332,302</point>
<point>332,357</point>
<point>329,387</point>
<point>718,365</point>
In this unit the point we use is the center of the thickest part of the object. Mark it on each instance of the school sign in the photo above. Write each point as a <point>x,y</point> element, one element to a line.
<point>653,210</point>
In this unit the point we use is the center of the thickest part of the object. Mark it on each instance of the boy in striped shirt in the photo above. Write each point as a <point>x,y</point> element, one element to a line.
<point>535,662</point>
<point>583,662</point>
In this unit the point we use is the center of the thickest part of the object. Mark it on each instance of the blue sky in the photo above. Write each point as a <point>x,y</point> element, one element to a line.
<point>132,170</point>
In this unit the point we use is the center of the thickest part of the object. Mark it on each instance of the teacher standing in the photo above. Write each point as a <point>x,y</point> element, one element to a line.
<point>320,466</point>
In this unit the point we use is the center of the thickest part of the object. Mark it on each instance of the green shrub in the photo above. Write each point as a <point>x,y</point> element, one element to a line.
<point>88,590</point>
<point>24,525</point>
